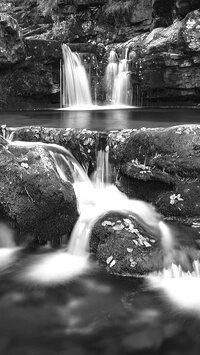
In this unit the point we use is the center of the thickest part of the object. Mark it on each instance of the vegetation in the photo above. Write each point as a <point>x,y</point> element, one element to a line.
<point>119,10</point>
<point>46,7</point>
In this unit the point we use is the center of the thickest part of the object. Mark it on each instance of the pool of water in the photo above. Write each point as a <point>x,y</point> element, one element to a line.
<point>93,314</point>
<point>103,119</point>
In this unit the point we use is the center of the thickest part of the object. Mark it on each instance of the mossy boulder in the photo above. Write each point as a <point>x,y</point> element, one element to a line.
<point>33,198</point>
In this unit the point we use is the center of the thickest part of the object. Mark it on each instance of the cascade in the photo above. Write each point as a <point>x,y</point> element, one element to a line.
<point>118,80</point>
<point>95,199</point>
<point>111,73</point>
<point>74,84</point>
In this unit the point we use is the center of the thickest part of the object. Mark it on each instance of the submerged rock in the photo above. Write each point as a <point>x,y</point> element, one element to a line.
<point>33,198</point>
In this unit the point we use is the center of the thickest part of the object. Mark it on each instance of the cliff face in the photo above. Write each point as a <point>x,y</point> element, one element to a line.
<point>164,65</point>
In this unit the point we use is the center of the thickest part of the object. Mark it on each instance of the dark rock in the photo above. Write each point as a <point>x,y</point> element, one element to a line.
<point>123,246</point>
<point>164,12</point>
<point>183,7</point>
<point>12,48</point>
<point>43,50</point>
<point>162,166</point>
<point>159,165</point>
<point>81,143</point>
<point>33,198</point>
<point>166,63</point>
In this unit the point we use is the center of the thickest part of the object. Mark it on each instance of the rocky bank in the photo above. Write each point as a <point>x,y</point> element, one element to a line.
<point>159,166</point>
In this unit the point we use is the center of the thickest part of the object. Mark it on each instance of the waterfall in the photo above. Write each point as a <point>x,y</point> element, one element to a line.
<point>94,201</point>
<point>118,82</point>
<point>111,73</point>
<point>75,86</point>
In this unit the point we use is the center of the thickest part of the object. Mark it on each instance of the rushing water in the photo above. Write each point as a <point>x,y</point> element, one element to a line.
<point>58,302</point>
<point>118,82</point>
<point>75,85</point>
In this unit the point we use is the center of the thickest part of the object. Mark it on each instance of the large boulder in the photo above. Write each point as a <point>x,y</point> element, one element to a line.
<point>124,247</point>
<point>162,166</point>
<point>33,198</point>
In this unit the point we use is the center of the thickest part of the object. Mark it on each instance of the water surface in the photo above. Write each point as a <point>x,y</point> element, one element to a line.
<point>127,118</point>
<point>93,314</point>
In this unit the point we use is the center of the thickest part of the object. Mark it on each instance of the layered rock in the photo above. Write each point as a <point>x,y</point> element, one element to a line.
<point>165,65</point>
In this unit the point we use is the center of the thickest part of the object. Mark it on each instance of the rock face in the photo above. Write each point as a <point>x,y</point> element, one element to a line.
<point>12,49</point>
<point>166,62</point>
<point>164,67</point>
<point>33,198</point>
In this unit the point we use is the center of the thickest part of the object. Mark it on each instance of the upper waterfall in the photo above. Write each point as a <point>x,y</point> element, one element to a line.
<point>75,85</point>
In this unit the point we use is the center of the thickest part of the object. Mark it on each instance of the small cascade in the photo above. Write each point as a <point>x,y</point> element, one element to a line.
<point>101,177</point>
<point>94,201</point>
<point>74,84</point>
<point>111,73</point>
<point>118,80</point>
<point>102,197</point>
<point>61,156</point>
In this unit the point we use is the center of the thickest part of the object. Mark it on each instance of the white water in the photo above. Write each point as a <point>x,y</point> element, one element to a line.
<point>181,288</point>
<point>8,248</point>
<point>118,81</point>
<point>75,85</point>
<point>96,199</point>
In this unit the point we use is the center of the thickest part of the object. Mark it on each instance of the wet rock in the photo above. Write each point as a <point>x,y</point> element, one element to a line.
<point>159,165</point>
<point>33,198</point>
<point>81,143</point>
<point>162,166</point>
<point>124,247</point>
